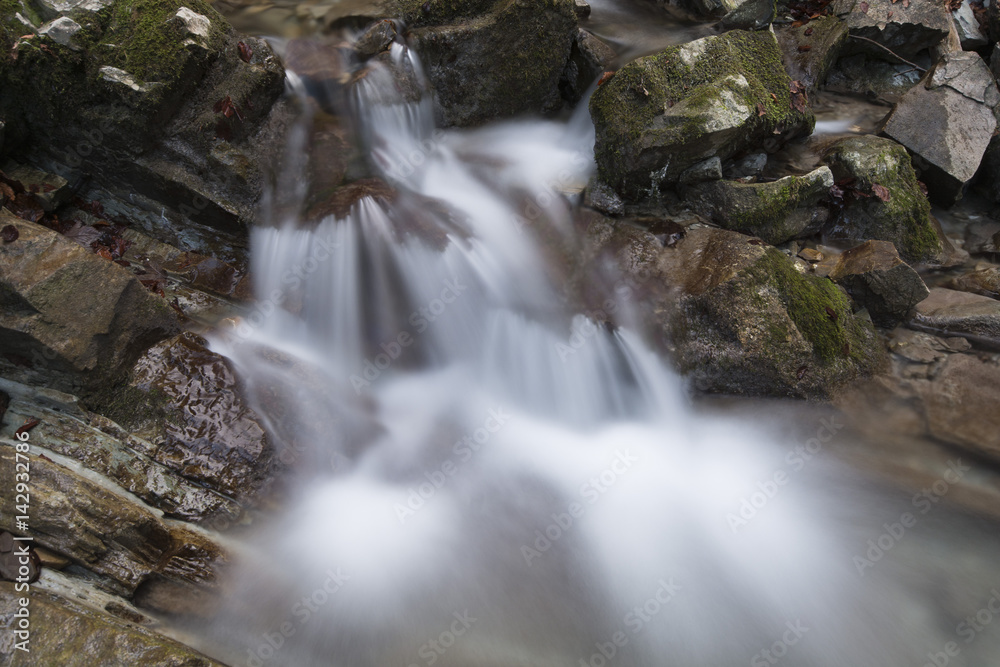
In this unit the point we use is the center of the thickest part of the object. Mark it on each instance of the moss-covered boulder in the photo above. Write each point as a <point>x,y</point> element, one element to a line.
<point>811,50</point>
<point>884,201</point>
<point>775,211</point>
<point>137,96</point>
<point>663,113</point>
<point>738,317</point>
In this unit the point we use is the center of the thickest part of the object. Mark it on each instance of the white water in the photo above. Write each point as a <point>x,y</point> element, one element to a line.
<point>428,477</point>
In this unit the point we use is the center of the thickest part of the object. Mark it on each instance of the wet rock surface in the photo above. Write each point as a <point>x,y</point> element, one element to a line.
<point>877,279</point>
<point>954,313</point>
<point>904,28</point>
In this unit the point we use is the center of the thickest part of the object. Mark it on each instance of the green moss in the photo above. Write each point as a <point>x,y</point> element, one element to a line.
<point>141,39</point>
<point>632,110</point>
<point>765,214</point>
<point>807,299</point>
<point>905,218</point>
<point>439,12</point>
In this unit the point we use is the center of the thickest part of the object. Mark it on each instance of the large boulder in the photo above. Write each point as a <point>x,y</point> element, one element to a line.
<point>661,114</point>
<point>884,201</point>
<point>71,312</point>
<point>877,279</point>
<point>736,314</point>
<point>811,50</point>
<point>905,28</point>
<point>136,95</point>
<point>486,59</point>
<point>947,123</point>
<point>955,313</point>
<point>775,212</point>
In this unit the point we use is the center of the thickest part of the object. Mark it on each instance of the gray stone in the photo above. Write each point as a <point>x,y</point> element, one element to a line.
<point>751,166</point>
<point>904,219</point>
<point>913,26</point>
<point>61,31</point>
<point>826,41</point>
<point>985,282</point>
<point>954,313</point>
<point>50,190</point>
<point>582,8</point>
<point>589,58</point>
<point>51,9</point>
<point>775,212</point>
<point>969,34</point>
<point>947,123</point>
<point>661,114</point>
<point>877,279</point>
<point>707,170</point>
<point>602,198</point>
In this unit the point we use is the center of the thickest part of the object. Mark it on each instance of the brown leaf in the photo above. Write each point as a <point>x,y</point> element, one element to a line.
<point>604,78</point>
<point>804,47</point>
<point>889,15</point>
<point>863,7</point>
<point>808,31</point>
<point>774,97</point>
<point>9,234</point>
<point>760,109</point>
<point>246,53</point>
<point>880,191</point>
<point>831,313</point>
<point>29,424</point>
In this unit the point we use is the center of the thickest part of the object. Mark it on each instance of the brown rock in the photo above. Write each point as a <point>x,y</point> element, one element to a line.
<point>877,279</point>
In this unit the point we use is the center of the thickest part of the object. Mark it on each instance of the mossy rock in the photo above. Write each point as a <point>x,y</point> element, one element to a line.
<point>904,218</point>
<point>775,212</point>
<point>716,96</point>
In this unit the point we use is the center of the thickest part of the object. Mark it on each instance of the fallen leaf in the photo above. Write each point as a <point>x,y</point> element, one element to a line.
<point>880,191</point>
<point>804,47</point>
<point>9,234</point>
<point>760,109</point>
<point>774,97</point>
<point>863,7</point>
<point>808,31</point>
<point>29,424</point>
<point>604,78</point>
<point>246,53</point>
<point>831,313</point>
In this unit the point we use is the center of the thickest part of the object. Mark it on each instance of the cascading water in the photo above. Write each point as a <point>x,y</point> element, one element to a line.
<point>485,479</point>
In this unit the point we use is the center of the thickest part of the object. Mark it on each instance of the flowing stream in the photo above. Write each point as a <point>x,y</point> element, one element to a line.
<point>484,477</point>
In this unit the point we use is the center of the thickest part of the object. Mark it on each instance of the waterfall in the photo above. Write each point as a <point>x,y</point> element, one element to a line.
<point>484,476</point>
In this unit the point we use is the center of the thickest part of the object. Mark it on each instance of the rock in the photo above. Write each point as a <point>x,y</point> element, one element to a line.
<point>704,171</point>
<point>877,279</point>
<point>913,26</point>
<point>824,43</point>
<point>953,313</point>
<point>378,38</point>
<point>776,212</point>
<point>70,311</point>
<point>582,8</point>
<point>750,167</point>
<point>4,404</point>
<point>661,114</point>
<point>985,282</point>
<point>135,107</point>
<point>981,237</point>
<point>186,403</point>
<point>50,9</point>
<point>969,34</point>
<point>602,198</point>
<point>50,190</point>
<point>124,463</point>
<point>749,15</point>
<point>88,637</point>
<point>493,64</point>
<point>904,219</point>
<point>947,123</point>
<point>863,74</point>
<point>61,31</point>
<point>105,530</point>
<point>960,404</point>
<point>737,317</point>
<point>589,58</point>
<point>340,202</point>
